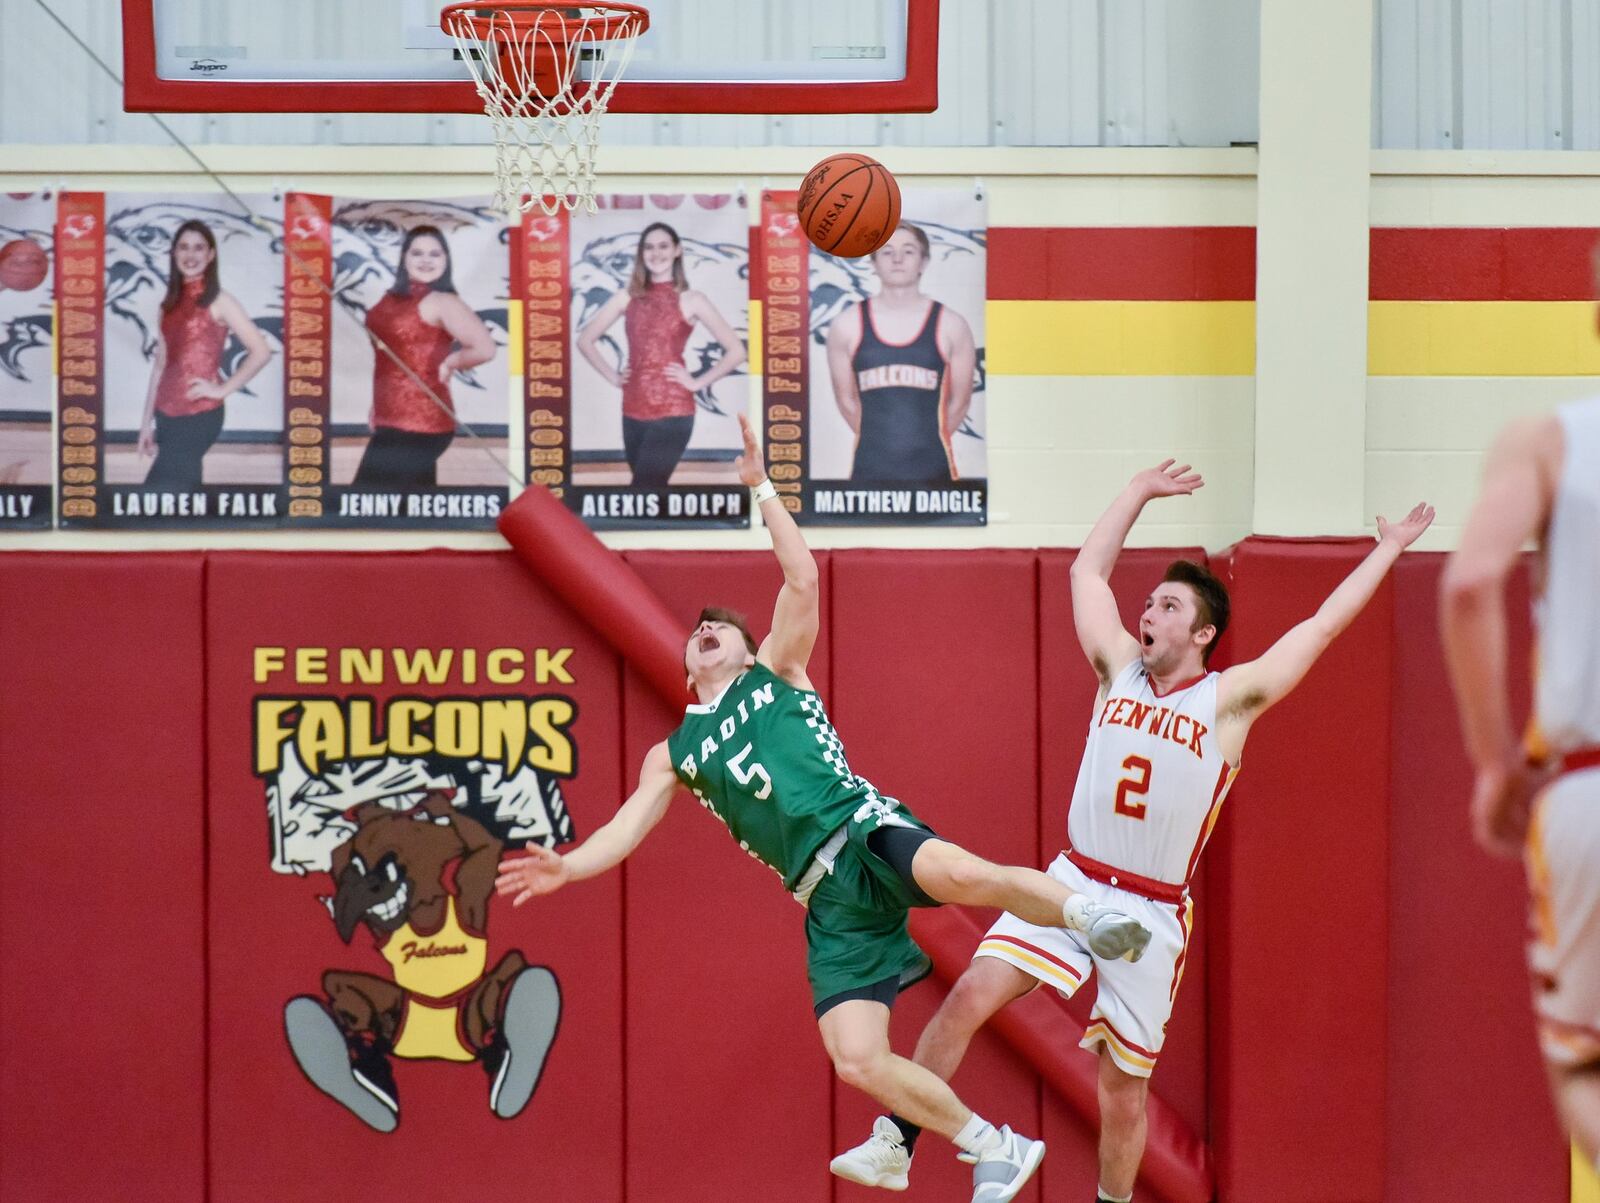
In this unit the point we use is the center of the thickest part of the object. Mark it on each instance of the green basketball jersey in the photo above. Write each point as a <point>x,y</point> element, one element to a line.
<point>766,761</point>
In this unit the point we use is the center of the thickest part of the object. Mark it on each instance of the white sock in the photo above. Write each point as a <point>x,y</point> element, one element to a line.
<point>977,1135</point>
<point>1075,911</point>
<point>1111,1198</point>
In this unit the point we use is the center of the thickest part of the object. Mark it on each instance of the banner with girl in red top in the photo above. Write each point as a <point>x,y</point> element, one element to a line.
<point>170,414</point>
<point>27,238</point>
<point>660,289</point>
<point>418,374</point>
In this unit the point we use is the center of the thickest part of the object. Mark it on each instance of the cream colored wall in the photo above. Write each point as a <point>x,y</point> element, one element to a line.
<point>1059,446</point>
<point>1426,436</point>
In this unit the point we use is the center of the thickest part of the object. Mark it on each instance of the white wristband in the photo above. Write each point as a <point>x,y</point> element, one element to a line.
<point>765,491</point>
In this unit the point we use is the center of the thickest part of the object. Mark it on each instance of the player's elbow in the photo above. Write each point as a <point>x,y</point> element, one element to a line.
<point>802,578</point>
<point>1082,570</point>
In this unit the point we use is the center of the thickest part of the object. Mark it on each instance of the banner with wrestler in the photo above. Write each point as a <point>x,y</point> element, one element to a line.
<point>656,360</point>
<point>27,239</point>
<point>414,364</point>
<point>885,404</point>
<point>171,416</point>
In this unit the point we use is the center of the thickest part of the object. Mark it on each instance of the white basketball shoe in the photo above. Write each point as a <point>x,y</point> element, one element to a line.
<point>1001,1172</point>
<point>1111,934</point>
<point>880,1160</point>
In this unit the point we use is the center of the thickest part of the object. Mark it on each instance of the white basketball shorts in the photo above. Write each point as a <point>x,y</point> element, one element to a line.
<point>1134,1000</point>
<point>1563,861</point>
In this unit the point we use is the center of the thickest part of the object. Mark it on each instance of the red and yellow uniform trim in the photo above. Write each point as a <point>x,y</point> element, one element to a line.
<point>1030,958</point>
<point>1134,1058</point>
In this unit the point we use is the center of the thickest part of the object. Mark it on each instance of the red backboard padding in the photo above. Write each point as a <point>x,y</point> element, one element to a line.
<point>102,986</point>
<point>722,1049</point>
<point>1462,1055</point>
<point>271,938</point>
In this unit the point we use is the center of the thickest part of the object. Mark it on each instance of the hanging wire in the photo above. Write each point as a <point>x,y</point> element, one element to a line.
<point>309,269</point>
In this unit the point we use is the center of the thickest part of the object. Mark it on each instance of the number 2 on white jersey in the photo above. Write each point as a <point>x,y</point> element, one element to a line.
<point>1128,785</point>
<point>746,776</point>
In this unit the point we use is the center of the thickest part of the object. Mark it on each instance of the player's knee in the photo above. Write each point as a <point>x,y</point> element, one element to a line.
<point>1122,1098</point>
<point>978,994</point>
<point>862,1068</point>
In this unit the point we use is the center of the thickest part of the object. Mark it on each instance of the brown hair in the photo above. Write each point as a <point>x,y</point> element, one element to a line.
<point>402,278</point>
<point>1211,600</point>
<point>212,286</point>
<point>639,282</point>
<point>916,232</point>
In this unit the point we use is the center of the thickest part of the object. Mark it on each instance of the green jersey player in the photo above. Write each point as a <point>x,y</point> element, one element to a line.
<point>758,751</point>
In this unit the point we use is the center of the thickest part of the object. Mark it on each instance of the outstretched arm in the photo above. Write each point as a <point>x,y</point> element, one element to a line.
<point>1518,490</point>
<point>542,871</point>
<point>795,618</point>
<point>1248,689</point>
<point>1105,641</point>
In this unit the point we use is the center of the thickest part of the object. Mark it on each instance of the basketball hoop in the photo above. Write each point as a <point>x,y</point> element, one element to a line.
<point>545,72</point>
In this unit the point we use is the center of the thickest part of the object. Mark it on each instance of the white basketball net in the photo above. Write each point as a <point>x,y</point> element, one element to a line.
<point>546,131</point>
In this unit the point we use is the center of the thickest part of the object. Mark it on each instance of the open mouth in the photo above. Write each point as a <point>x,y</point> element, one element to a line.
<point>709,643</point>
<point>1149,640</point>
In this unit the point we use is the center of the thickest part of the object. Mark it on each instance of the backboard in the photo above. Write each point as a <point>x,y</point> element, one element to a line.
<point>699,56</point>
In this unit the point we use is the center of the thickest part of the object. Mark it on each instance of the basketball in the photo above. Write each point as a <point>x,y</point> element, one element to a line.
<point>849,204</point>
<point>23,265</point>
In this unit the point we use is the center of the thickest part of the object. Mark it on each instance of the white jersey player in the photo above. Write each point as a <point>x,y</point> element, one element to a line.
<point>1165,740</point>
<point>1542,482</point>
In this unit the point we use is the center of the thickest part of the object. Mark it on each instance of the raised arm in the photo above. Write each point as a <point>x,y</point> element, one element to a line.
<point>843,335</point>
<point>1249,689</point>
<point>1105,641</point>
<point>1518,489</point>
<point>543,871</point>
<point>787,648</point>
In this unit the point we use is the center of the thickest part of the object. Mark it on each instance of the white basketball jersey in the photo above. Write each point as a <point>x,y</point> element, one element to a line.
<point>1568,690</point>
<point>1152,779</point>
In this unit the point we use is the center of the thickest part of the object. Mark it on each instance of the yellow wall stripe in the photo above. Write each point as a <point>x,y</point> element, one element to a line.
<point>514,344</point>
<point>1217,338</point>
<point>1122,338</point>
<point>755,348</point>
<point>1482,338</point>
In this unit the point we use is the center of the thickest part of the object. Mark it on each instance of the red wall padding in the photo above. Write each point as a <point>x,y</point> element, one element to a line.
<point>935,672</point>
<point>1298,873</point>
<point>1354,1024</point>
<point>1459,1019</point>
<point>102,982</point>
